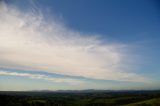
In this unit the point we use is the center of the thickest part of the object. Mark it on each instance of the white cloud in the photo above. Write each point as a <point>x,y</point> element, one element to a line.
<point>28,41</point>
<point>41,77</point>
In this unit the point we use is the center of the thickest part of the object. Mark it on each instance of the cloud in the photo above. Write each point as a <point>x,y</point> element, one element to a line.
<point>41,77</point>
<point>29,41</point>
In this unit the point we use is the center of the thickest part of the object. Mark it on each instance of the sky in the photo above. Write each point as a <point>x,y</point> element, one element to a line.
<point>79,44</point>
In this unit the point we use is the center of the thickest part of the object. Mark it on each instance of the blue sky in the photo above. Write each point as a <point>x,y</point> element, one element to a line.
<point>107,44</point>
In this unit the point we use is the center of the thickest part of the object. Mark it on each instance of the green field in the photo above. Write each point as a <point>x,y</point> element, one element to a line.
<point>151,102</point>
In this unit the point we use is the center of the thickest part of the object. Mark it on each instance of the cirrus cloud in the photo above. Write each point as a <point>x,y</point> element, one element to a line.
<point>28,41</point>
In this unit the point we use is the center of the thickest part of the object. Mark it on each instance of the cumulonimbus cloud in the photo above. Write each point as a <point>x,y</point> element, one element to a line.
<point>28,41</point>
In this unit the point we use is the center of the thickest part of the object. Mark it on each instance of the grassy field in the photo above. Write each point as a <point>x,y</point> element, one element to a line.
<point>151,102</point>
